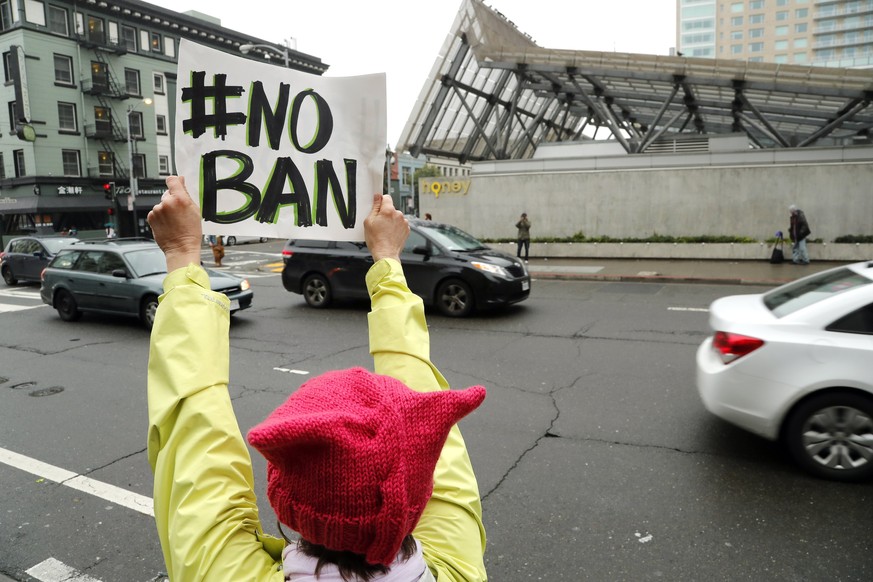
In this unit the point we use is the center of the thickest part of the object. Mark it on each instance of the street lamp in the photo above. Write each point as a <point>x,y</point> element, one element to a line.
<point>134,184</point>
<point>285,51</point>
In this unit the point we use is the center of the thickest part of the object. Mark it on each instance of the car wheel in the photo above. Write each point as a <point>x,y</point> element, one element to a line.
<point>263,239</point>
<point>231,240</point>
<point>66,305</point>
<point>831,436</point>
<point>316,291</point>
<point>8,277</point>
<point>454,298</point>
<point>147,310</point>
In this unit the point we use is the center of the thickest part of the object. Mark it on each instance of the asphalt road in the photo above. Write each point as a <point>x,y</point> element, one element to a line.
<point>596,460</point>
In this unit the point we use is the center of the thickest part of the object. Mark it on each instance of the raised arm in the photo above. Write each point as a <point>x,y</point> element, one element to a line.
<point>450,530</point>
<point>205,509</point>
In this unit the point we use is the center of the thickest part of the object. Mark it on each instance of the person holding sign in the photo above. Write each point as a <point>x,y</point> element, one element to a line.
<point>369,469</point>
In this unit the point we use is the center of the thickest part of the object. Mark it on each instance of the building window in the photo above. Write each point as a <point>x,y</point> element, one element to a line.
<point>57,21</point>
<point>103,121</point>
<point>737,21</point>
<point>7,66</point>
<point>164,165</point>
<point>135,120</point>
<point>67,121</point>
<point>128,38</point>
<point>737,7</point>
<point>781,2</point>
<point>161,124</point>
<point>139,166</point>
<point>756,4</point>
<point>801,27</point>
<point>96,33</point>
<point>801,13</point>
<point>63,70</point>
<point>159,84</point>
<point>782,15</point>
<point>756,47</point>
<point>169,47</point>
<point>18,159</point>
<point>781,30</point>
<point>736,49</point>
<point>756,59</point>
<point>131,82</point>
<point>13,115</point>
<point>756,19</point>
<point>99,76</point>
<point>406,179</point>
<point>155,40</point>
<point>780,45</point>
<point>5,15</point>
<point>72,166</point>
<point>756,32</point>
<point>105,163</point>
<point>2,167</point>
<point>800,57</point>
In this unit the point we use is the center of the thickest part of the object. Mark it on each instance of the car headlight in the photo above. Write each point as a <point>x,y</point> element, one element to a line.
<point>245,285</point>
<point>489,268</point>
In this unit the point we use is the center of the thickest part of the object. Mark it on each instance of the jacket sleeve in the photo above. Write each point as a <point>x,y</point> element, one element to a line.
<point>450,530</point>
<point>205,508</point>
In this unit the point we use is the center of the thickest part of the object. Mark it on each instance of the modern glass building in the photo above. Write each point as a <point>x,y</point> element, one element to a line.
<point>833,33</point>
<point>89,103</point>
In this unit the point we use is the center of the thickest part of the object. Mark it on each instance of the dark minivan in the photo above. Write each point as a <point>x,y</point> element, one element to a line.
<point>445,266</point>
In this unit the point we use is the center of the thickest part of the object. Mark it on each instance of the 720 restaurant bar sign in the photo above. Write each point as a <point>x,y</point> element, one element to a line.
<point>271,152</point>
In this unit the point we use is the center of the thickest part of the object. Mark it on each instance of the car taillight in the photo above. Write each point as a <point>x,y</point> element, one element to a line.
<point>732,346</point>
<point>286,254</point>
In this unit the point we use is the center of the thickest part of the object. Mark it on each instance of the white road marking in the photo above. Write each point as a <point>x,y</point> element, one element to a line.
<point>300,372</point>
<point>53,570</point>
<point>21,293</point>
<point>110,493</point>
<point>694,309</point>
<point>7,308</point>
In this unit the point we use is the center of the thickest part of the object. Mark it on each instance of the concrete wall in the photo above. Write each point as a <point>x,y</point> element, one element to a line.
<point>738,194</point>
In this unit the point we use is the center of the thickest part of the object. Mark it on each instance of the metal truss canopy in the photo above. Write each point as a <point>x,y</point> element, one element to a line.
<point>493,93</point>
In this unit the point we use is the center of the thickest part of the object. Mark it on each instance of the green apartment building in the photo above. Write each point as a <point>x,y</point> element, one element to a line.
<point>89,103</point>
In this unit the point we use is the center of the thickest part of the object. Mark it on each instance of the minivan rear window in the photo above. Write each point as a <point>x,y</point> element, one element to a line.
<point>795,296</point>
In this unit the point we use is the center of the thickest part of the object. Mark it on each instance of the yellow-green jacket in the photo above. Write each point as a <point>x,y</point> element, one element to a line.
<point>205,508</point>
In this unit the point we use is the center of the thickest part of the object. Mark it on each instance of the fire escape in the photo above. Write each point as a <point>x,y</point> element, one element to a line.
<point>105,88</point>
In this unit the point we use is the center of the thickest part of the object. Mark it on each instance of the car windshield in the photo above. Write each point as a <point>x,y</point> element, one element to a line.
<point>147,262</point>
<point>55,244</point>
<point>795,296</point>
<point>452,238</point>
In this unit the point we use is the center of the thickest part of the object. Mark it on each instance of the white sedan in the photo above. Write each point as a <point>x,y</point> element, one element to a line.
<point>796,364</point>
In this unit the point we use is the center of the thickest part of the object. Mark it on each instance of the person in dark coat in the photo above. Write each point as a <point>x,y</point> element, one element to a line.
<point>799,232</point>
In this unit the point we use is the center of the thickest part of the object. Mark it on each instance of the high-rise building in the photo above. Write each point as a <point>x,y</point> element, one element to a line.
<point>89,102</point>
<point>832,33</point>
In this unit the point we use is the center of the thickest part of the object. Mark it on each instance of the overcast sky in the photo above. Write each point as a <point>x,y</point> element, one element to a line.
<point>402,37</point>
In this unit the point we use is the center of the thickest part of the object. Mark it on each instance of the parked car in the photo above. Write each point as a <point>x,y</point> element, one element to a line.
<point>231,240</point>
<point>445,266</point>
<point>794,364</point>
<point>26,256</point>
<point>123,277</point>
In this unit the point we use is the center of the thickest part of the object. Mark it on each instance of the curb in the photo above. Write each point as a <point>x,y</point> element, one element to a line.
<point>658,279</point>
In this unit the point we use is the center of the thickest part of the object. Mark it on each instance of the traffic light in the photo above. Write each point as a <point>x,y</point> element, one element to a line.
<point>109,190</point>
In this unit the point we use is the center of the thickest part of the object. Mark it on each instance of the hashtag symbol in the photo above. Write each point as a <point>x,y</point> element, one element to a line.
<point>198,94</point>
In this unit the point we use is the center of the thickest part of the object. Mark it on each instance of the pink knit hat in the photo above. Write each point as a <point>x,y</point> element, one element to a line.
<point>350,458</point>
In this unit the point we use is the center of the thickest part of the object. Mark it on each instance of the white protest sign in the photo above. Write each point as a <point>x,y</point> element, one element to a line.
<point>272,152</point>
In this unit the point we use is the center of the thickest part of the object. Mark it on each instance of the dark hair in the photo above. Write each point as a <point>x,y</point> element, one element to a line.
<point>352,567</point>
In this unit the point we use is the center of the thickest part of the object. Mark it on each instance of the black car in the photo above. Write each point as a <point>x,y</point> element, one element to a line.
<point>25,257</point>
<point>445,266</point>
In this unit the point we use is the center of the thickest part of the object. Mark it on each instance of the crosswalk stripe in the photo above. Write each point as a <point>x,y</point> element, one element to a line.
<point>53,570</point>
<point>9,308</point>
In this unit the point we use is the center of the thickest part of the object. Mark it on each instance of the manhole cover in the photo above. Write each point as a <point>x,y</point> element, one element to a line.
<point>47,391</point>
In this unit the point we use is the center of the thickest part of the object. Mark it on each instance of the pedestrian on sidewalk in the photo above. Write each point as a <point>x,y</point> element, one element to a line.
<point>799,232</point>
<point>369,469</point>
<point>523,226</point>
<point>217,245</point>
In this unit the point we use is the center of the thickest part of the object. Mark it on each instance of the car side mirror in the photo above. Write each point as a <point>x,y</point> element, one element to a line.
<point>421,250</point>
<point>39,255</point>
<point>120,273</point>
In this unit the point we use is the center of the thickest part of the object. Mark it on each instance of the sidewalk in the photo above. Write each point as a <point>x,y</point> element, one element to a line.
<point>674,271</point>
